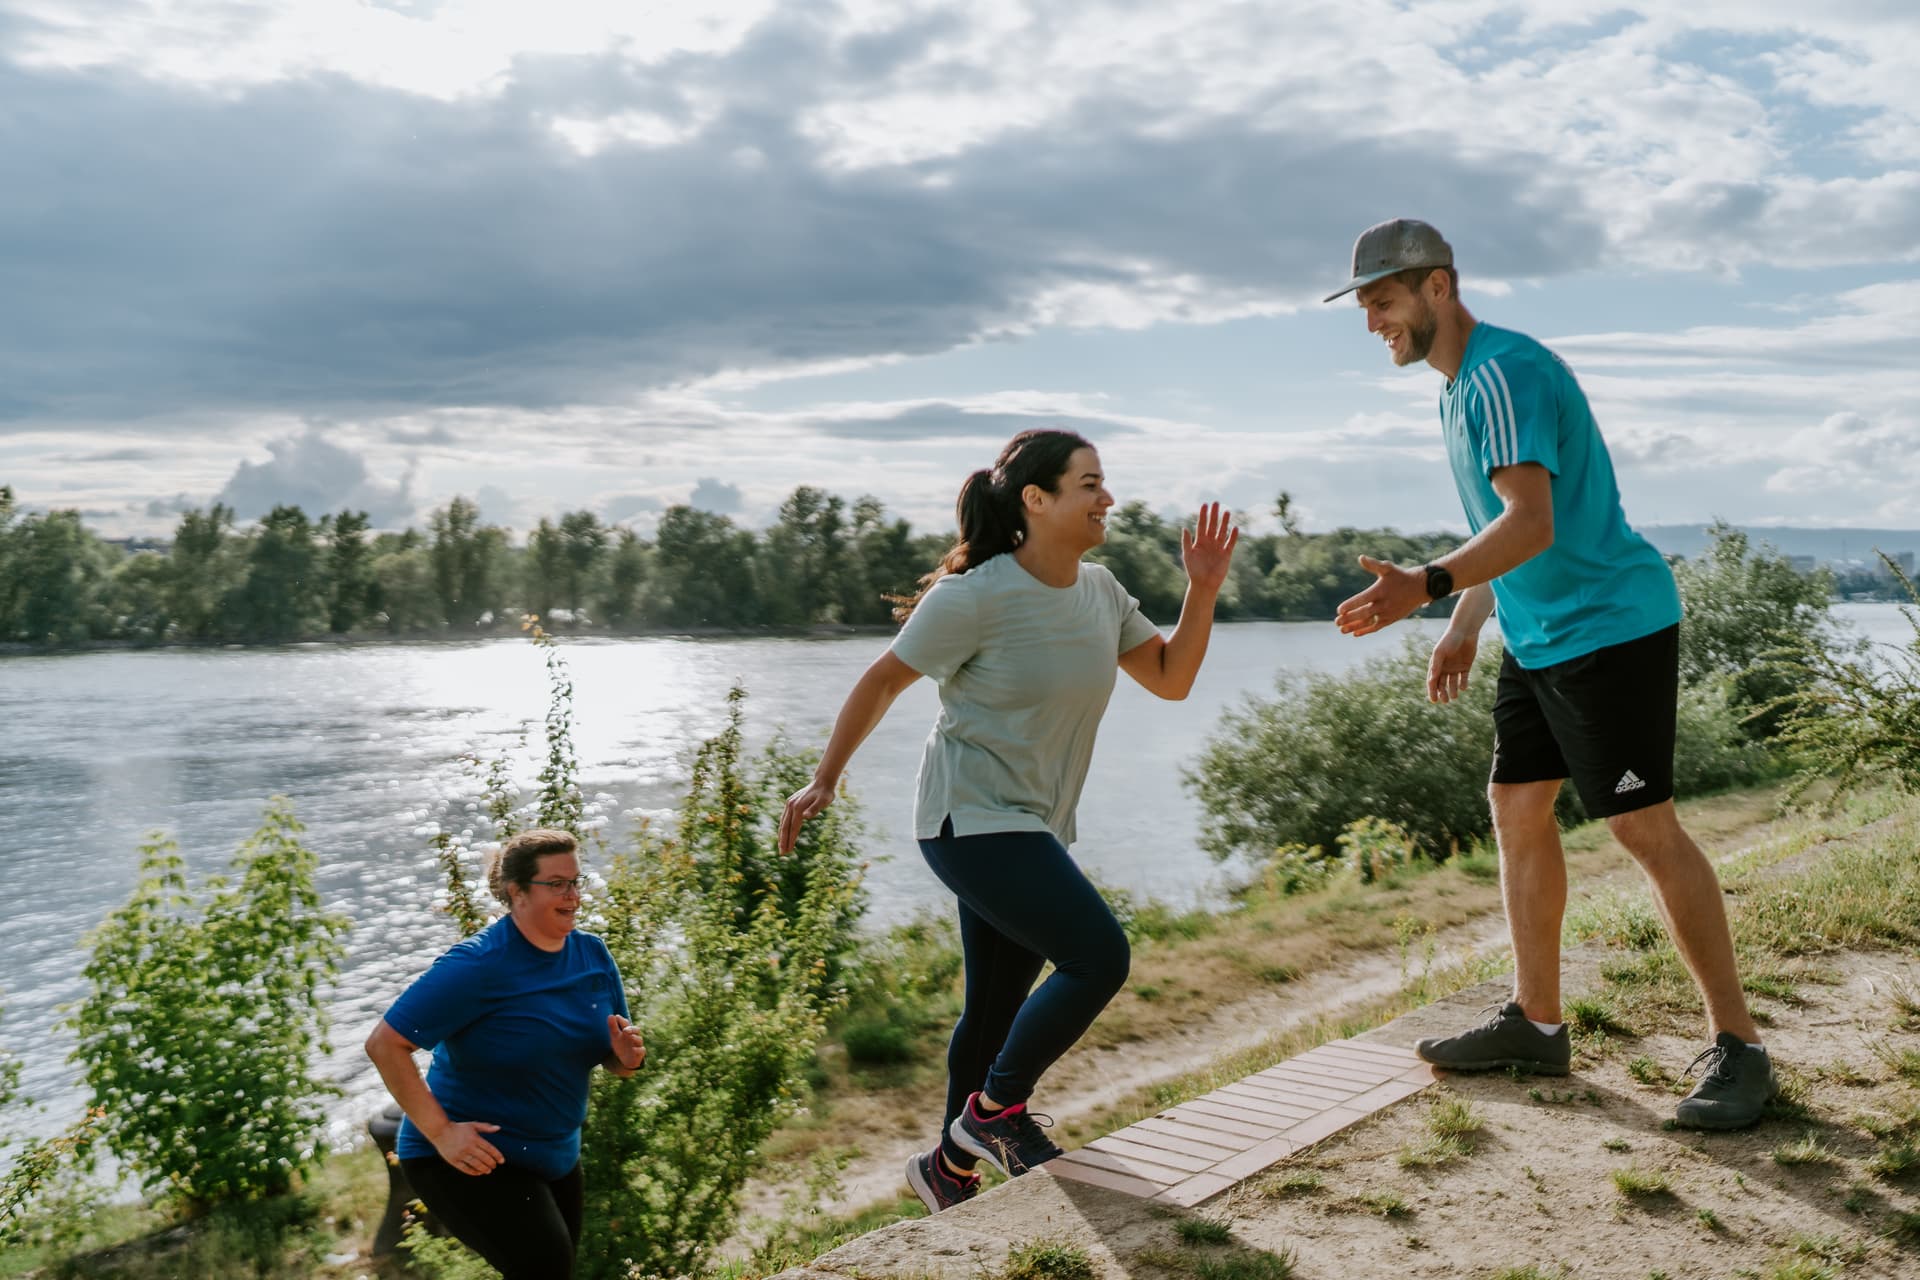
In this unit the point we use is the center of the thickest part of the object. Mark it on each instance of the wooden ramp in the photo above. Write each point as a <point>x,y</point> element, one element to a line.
<point>1198,1149</point>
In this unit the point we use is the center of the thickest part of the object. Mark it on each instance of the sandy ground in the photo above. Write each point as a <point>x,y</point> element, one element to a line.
<point>1537,1188</point>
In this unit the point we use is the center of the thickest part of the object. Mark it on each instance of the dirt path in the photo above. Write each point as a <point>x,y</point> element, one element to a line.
<point>1577,1178</point>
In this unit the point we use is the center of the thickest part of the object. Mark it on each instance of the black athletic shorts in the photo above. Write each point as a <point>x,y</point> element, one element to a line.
<point>1604,719</point>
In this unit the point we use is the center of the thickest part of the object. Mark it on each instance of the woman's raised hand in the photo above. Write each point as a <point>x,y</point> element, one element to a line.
<point>801,805</point>
<point>461,1146</point>
<point>1207,549</point>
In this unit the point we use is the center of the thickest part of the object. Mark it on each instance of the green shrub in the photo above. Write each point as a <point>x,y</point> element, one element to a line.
<point>1373,848</point>
<point>199,1030</point>
<point>1853,716</point>
<point>1326,750</point>
<point>1742,603</point>
<point>731,956</point>
<point>877,1042</point>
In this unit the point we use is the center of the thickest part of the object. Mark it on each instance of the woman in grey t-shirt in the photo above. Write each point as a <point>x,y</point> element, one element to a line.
<point>1024,638</point>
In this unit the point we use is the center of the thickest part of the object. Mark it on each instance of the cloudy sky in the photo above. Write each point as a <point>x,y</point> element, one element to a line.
<point>373,253</point>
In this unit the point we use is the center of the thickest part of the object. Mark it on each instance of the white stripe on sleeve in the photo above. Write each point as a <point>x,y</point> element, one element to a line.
<point>1506,397</point>
<point>1495,425</point>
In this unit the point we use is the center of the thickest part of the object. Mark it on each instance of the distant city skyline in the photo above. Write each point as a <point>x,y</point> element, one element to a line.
<point>370,255</point>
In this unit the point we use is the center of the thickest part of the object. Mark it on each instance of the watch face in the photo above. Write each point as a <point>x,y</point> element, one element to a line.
<point>1439,582</point>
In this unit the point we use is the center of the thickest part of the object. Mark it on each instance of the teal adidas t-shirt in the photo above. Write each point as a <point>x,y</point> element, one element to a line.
<point>1600,583</point>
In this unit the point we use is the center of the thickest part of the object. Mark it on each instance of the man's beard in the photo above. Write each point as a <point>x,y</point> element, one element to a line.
<point>1420,335</point>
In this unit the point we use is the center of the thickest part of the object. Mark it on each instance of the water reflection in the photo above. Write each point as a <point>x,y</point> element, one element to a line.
<point>367,741</point>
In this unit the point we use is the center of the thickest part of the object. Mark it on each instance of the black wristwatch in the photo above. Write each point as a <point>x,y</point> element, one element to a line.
<point>1439,582</point>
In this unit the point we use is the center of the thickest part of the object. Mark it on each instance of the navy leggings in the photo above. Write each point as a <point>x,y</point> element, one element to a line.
<point>1023,903</point>
<point>523,1225</point>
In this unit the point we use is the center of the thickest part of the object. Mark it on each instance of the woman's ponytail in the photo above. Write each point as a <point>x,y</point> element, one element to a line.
<point>990,513</point>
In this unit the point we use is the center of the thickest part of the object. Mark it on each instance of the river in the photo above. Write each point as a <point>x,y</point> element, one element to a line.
<point>366,740</point>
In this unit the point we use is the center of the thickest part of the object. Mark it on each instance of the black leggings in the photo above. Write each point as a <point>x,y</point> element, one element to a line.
<point>1023,902</point>
<point>524,1226</point>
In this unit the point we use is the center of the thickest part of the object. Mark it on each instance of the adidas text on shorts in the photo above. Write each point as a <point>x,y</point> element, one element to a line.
<point>1604,719</point>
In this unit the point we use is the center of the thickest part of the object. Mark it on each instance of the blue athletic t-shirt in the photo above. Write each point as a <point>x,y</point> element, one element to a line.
<point>516,1033</point>
<point>1600,583</point>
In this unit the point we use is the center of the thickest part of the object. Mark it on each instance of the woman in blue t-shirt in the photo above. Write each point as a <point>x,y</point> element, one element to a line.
<point>1024,637</point>
<point>517,1016</point>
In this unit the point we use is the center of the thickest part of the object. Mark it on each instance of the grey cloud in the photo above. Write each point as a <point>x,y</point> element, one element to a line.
<point>309,472</point>
<point>112,455</point>
<point>628,505</point>
<point>716,496</point>
<point>328,247</point>
<point>435,434</point>
<point>161,507</point>
<point>950,421</point>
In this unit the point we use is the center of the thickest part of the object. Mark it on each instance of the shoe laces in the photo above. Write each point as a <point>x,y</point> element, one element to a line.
<point>1026,1125</point>
<point>1494,1014</point>
<point>1719,1064</point>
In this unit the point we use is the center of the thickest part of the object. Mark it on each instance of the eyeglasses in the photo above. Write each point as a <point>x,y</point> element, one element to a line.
<point>576,885</point>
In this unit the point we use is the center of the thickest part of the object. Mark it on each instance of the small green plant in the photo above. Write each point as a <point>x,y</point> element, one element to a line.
<point>1807,1150</point>
<point>1246,1264</point>
<point>1204,1230</point>
<point>1904,997</point>
<point>1387,1204</point>
<point>877,1042</point>
<point>1593,1015</point>
<point>1297,1182</point>
<point>1708,1219</point>
<point>1641,1184</point>
<point>1797,1268</point>
<point>1895,1160</point>
<point>1902,1060</point>
<point>1374,848</point>
<point>205,1016</point>
<point>1828,1248</point>
<point>1047,1259</point>
<point>1617,1144</point>
<point>1531,1271</point>
<point>1452,1117</point>
<point>1647,1071</point>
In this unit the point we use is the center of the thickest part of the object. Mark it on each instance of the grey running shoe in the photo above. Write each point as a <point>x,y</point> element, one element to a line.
<point>1505,1040</point>
<point>937,1187</point>
<point>1734,1091</point>
<point>1010,1140</point>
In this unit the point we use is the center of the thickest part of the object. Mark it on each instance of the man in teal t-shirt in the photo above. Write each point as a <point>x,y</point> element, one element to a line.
<point>1589,681</point>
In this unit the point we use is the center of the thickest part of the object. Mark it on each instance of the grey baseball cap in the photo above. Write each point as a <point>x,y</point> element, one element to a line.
<point>1399,244</point>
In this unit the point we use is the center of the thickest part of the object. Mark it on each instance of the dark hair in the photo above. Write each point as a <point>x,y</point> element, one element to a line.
<point>1415,278</point>
<point>519,860</point>
<point>989,511</point>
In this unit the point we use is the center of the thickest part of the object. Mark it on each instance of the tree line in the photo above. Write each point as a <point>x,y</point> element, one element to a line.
<point>823,561</point>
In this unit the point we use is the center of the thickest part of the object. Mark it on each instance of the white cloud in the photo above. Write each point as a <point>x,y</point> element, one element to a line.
<point>309,472</point>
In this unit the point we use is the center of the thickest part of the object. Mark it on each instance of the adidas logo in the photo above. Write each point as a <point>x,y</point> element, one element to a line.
<point>1629,781</point>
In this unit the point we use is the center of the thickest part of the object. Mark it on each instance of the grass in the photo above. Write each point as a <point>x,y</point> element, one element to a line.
<point>1449,1123</point>
<point>1808,1150</point>
<point>1204,1230</point>
<point>1895,1160</point>
<point>1247,1264</point>
<point>1636,1183</point>
<point>1047,1259</point>
<point>1296,1182</point>
<point>1385,1204</point>
<point>1594,1015</point>
<point>1531,1271</point>
<point>1708,1219</point>
<point>1902,1060</point>
<point>1648,1072</point>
